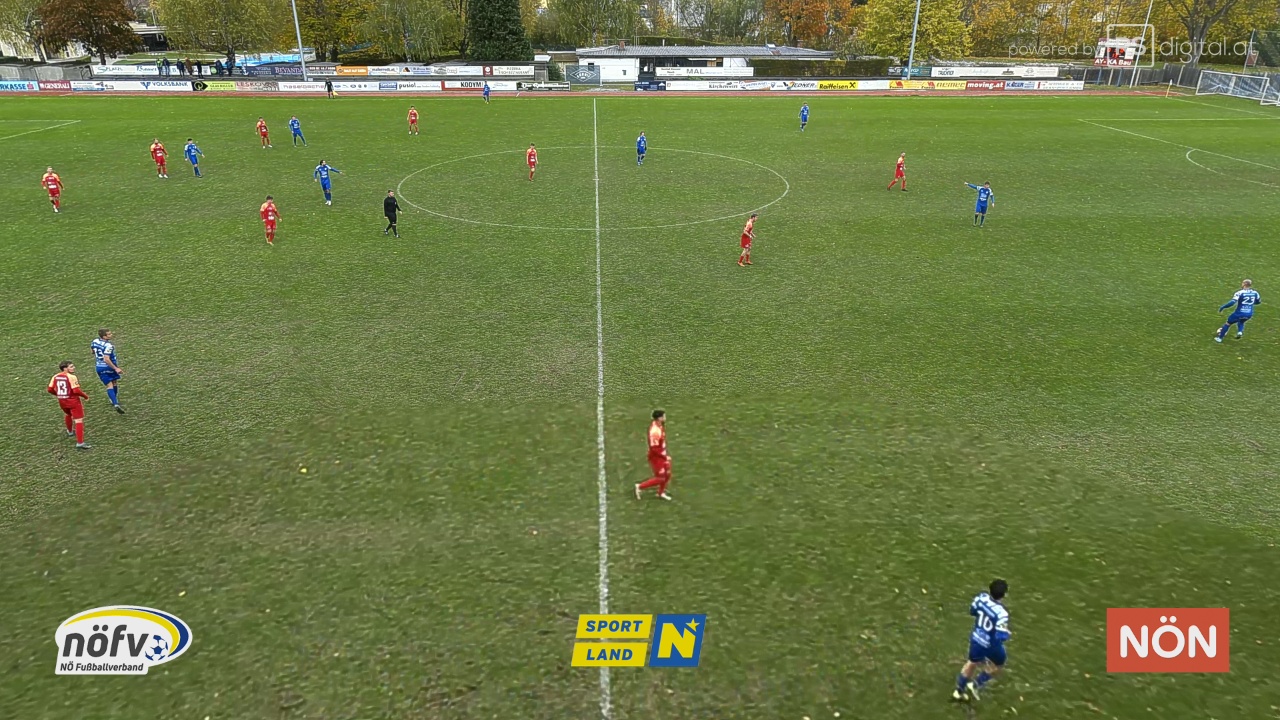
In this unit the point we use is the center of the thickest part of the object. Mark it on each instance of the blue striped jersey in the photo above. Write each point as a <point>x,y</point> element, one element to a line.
<point>990,621</point>
<point>295,125</point>
<point>322,172</point>
<point>101,351</point>
<point>1246,299</point>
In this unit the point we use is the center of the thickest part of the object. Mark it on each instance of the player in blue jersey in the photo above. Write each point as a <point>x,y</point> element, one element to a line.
<point>804,116</point>
<point>295,127</point>
<point>642,146</point>
<point>109,372</point>
<point>193,155</point>
<point>486,92</point>
<point>986,642</point>
<point>985,198</point>
<point>321,176</point>
<point>1244,300</point>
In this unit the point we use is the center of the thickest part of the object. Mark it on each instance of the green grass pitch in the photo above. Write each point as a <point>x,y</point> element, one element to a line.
<point>888,409</point>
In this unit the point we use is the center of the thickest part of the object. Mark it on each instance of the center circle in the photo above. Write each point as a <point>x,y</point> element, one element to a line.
<point>736,184</point>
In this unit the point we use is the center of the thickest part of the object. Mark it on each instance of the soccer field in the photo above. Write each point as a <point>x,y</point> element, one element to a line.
<point>366,470</point>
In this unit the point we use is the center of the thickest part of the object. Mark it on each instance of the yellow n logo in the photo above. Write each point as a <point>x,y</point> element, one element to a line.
<point>678,642</point>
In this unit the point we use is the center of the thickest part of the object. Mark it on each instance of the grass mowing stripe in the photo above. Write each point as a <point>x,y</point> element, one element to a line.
<point>601,484</point>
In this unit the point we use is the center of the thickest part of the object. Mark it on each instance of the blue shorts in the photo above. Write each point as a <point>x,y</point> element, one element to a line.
<point>994,654</point>
<point>1238,317</point>
<point>980,208</point>
<point>107,375</point>
<point>640,153</point>
<point>194,161</point>
<point>325,186</point>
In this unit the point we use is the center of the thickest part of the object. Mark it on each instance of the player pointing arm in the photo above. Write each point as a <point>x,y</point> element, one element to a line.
<point>985,198</point>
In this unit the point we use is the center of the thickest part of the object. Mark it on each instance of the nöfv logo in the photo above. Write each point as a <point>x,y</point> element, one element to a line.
<point>1161,640</point>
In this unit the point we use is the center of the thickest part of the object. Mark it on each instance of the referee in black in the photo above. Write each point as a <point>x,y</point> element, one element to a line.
<point>389,208</point>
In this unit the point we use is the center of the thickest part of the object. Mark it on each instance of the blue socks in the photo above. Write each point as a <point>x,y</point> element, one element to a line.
<point>983,679</point>
<point>328,196</point>
<point>111,393</point>
<point>961,680</point>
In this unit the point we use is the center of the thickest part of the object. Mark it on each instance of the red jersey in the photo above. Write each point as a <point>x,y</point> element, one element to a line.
<point>531,155</point>
<point>51,182</point>
<point>657,441</point>
<point>902,166</point>
<point>749,230</point>
<point>269,213</point>
<point>66,387</point>
<point>413,117</point>
<point>158,153</point>
<point>262,127</point>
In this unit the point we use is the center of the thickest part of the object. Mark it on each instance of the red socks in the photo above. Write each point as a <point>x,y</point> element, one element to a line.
<point>67,419</point>
<point>79,432</point>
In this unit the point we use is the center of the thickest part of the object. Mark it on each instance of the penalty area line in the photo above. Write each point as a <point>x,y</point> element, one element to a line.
<point>51,127</point>
<point>1180,145</point>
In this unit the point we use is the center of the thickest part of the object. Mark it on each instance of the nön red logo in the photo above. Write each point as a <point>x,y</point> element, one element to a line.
<point>1160,640</point>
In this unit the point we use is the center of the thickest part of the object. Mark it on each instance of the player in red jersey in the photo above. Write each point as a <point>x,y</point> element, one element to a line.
<point>748,234</point>
<point>413,120</point>
<point>659,460</point>
<point>269,216</point>
<point>66,387</point>
<point>161,156</point>
<point>531,157</point>
<point>263,134</point>
<point>900,173</point>
<point>53,184</point>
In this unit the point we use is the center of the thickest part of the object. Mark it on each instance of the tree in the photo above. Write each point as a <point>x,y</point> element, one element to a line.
<point>415,30</point>
<point>942,33</point>
<point>800,22</point>
<point>102,26</point>
<point>228,26</point>
<point>20,22</point>
<point>1199,17</point>
<point>592,22</point>
<point>495,31</point>
<point>329,25</point>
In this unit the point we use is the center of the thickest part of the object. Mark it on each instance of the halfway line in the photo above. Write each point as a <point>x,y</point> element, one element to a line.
<point>602,489</point>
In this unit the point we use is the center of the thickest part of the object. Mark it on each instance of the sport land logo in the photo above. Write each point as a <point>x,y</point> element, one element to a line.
<point>119,640</point>
<point>677,640</point>
<point>1166,640</point>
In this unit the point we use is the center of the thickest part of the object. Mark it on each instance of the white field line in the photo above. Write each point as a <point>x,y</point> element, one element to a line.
<point>51,127</point>
<point>1180,145</point>
<point>602,488</point>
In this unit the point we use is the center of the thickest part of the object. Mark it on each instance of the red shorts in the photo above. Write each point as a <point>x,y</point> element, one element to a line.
<point>532,164</point>
<point>264,134</point>
<point>746,241</point>
<point>159,161</point>
<point>899,173</point>
<point>74,408</point>
<point>270,225</point>
<point>54,192</point>
<point>413,121</point>
<point>661,466</point>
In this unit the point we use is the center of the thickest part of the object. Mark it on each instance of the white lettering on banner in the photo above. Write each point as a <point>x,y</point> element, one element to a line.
<point>418,85</point>
<point>19,86</point>
<point>688,85</point>
<point>1015,71</point>
<point>758,85</point>
<point>354,86</point>
<point>119,70</point>
<point>873,84</point>
<point>678,72</point>
<point>464,70</point>
<point>383,70</point>
<point>1060,85</point>
<point>88,86</point>
<point>513,71</point>
<point>1019,84</point>
<point>302,86</point>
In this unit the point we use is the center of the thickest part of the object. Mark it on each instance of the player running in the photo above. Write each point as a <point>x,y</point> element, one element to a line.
<point>804,116</point>
<point>413,120</point>
<point>53,185</point>
<point>193,156</point>
<point>642,146</point>
<point>486,92</point>
<point>986,642</point>
<point>66,387</point>
<point>295,127</point>
<point>263,134</point>
<point>161,158</point>
<point>659,460</point>
<point>321,175</point>
<point>109,371</point>
<point>269,215</point>
<point>1244,300</point>
<point>900,173</point>
<point>748,235</point>
<point>985,198</point>
<point>531,157</point>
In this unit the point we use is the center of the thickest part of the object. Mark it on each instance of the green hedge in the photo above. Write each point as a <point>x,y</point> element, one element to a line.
<point>862,67</point>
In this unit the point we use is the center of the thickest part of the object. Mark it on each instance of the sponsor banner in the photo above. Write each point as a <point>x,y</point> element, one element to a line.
<point>1019,84</point>
<point>709,72</point>
<point>386,85</point>
<point>56,85</point>
<point>1168,640</point>
<point>873,84</point>
<point>260,70</point>
<point>1059,84</point>
<point>757,85</point>
<point>694,85</point>
<point>927,84</point>
<point>214,86</point>
<point>158,85</point>
<point>983,84</point>
<point>793,84</point>
<point>88,86</point>
<point>315,87</point>
<point>585,74</point>
<point>455,70</point>
<point>351,70</point>
<point>472,85</point>
<point>419,70</point>
<point>1016,71</point>
<point>257,86</point>
<point>651,85</point>
<point>418,85</point>
<point>383,70</point>
<point>838,84</point>
<point>355,86</point>
<point>510,71</point>
<point>543,86</point>
<point>126,70</point>
<point>917,71</point>
<point>19,86</point>
<point>119,640</point>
